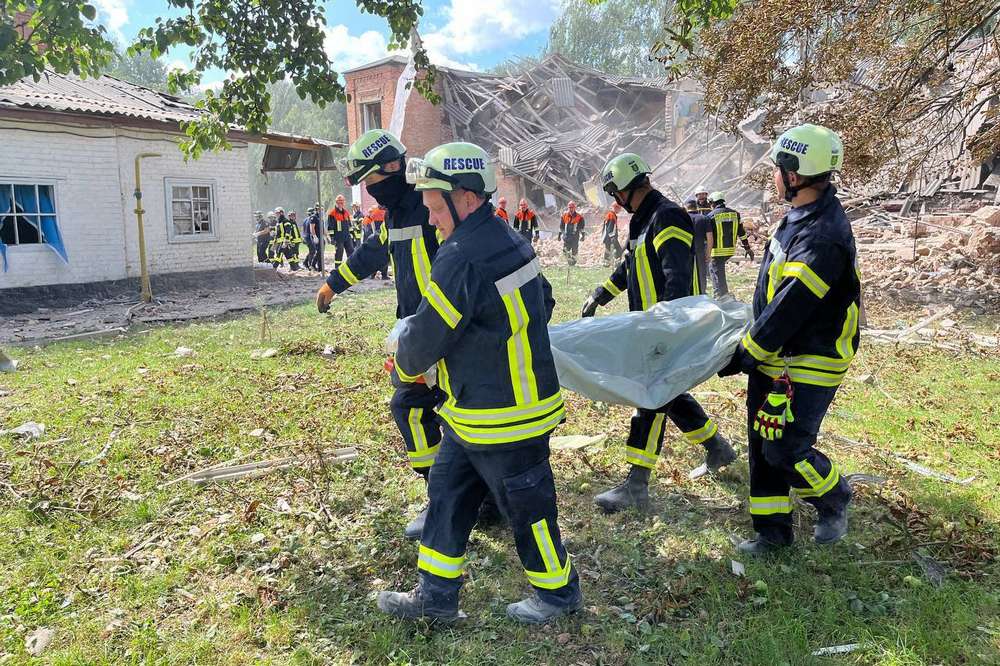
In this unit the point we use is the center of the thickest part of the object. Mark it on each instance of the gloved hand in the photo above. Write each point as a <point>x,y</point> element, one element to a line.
<point>536,236</point>
<point>560,235</point>
<point>583,236</point>
<point>589,307</point>
<point>776,412</point>
<point>323,298</point>
<point>750,254</point>
<point>735,365</point>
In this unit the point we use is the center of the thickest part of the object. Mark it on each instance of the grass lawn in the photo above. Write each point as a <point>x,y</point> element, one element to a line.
<point>283,569</point>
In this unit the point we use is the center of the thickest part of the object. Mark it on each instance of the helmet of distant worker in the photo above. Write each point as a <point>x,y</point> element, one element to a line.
<point>456,179</point>
<point>803,156</point>
<point>377,159</point>
<point>622,176</point>
<point>716,198</point>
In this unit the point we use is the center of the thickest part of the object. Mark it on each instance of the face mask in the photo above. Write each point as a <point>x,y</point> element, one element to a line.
<point>390,191</point>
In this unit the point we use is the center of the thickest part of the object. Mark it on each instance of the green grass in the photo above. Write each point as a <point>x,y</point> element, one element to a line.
<point>284,569</point>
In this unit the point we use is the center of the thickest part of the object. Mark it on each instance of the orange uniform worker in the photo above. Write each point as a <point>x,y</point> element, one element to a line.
<point>526,222</point>
<point>501,210</point>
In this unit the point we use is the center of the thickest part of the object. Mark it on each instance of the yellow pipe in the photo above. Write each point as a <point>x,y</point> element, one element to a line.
<point>147,291</point>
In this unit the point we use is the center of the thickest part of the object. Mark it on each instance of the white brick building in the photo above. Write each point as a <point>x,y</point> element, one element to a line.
<point>67,151</point>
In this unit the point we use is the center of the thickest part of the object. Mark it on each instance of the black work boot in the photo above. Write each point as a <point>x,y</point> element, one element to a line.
<point>831,525</point>
<point>718,453</point>
<point>632,492</point>
<point>414,605</point>
<point>534,610</point>
<point>759,546</point>
<point>415,528</point>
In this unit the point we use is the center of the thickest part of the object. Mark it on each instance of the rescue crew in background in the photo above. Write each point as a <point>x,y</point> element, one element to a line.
<point>307,238</point>
<point>286,240</point>
<point>338,222</point>
<point>315,223</point>
<point>371,226</point>
<point>803,338</point>
<point>702,242</point>
<point>659,266</point>
<point>726,226</point>
<point>571,232</point>
<point>378,160</point>
<point>272,247</point>
<point>701,196</point>
<point>261,236</point>
<point>526,222</point>
<point>502,401</point>
<point>609,234</point>
<point>501,210</point>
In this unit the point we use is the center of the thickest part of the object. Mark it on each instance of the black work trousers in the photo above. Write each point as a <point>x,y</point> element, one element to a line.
<point>645,436</point>
<point>520,480</point>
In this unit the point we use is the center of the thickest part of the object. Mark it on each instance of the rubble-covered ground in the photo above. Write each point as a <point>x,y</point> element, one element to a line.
<point>110,556</point>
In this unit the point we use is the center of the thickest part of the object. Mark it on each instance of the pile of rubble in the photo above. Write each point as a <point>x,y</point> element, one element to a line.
<point>937,258</point>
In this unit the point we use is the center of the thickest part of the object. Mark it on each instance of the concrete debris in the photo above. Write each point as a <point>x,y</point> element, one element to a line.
<point>38,640</point>
<point>7,364</point>
<point>836,649</point>
<point>27,430</point>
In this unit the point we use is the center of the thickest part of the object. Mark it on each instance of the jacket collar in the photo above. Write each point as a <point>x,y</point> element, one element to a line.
<point>812,209</point>
<point>643,214</point>
<point>472,222</point>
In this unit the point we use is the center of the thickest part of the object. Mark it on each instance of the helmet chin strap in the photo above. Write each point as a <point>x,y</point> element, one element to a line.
<point>790,191</point>
<point>451,207</point>
<point>627,203</point>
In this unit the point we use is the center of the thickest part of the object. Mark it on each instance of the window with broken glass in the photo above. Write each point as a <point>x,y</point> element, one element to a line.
<point>191,210</point>
<point>26,211</point>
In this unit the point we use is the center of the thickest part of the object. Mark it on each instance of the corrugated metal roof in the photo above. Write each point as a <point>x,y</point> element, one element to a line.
<point>103,96</point>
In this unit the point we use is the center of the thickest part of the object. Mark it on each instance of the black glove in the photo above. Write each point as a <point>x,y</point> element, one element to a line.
<point>536,236</point>
<point>590,307</point>
<point>749,254</point>
<point>560,235</point>
<point>583,236</point>
<point>735,365</point>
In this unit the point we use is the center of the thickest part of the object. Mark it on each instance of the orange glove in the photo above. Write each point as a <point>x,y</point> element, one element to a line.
<point>390,365</point>
<point>323,298</point>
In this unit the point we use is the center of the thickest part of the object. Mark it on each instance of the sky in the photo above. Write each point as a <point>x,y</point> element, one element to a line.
<point>467,34</point>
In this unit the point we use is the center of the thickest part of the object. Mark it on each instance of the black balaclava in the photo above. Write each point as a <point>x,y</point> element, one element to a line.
<point>390,191</point>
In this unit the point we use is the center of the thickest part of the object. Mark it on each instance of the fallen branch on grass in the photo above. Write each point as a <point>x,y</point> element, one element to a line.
<point>253,470</point>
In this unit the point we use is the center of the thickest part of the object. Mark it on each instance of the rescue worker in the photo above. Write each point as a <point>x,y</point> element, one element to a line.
<point>272,248</point>
<point>702,242</point>
<point>726,226</point>
<point>378,160</point>
<point>803,338</point>
<point>609,235</point>
<point>338,221</point>
<point>262,236</point>
<point>309,240</point>
<point>659,266</point>
<point>372,226</point>
<point>315,224</point>
<point>501,210</point>
<point>503,401</point>
<point>526,222</point>
<point>286,240</point>
<point>701,196</point>
<point>571,232</point>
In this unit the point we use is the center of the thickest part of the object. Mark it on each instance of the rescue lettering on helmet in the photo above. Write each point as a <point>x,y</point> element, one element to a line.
<point>608,177</point>
<point>464,164</point>
<point>794,146</point>
<point>375,146</point>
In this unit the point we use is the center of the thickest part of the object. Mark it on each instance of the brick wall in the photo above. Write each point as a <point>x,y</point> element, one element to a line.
<point>94,183</point>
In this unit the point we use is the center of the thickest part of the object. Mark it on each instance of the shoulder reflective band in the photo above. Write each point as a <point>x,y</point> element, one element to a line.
<point>806,275</point>
<point>406,233</point>
<point>448,312</point>
<point>519,278</point>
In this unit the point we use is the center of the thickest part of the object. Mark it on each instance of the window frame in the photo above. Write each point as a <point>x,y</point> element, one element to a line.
<point>364,114</point>
<point>168,200</point>
<point>36,182</point>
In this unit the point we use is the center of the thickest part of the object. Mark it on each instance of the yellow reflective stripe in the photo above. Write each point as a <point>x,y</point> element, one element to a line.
<point>424,458</point>
<point>805,376</point>
<point>409,379</point>
<point>501,415</point>
<point>444,380</point>
<point>819,485</point>
<point>823,363</point>
<point>845,343</point>
<point>504,434</point>
<point>611,287</point>
<point>695,284</point>
<point>767,506</point>
<point>639,457</point>
<point>439,564</point>
<point>672,232</point>
<point>703,433</point>
<point>724,252</point>
<point>644,275</point>
<point>655,433</point>
<point>756,350</point>
<point>347,274</point>
<point>383,235</point>
<point>545,546</point>
<point>417,428</point>
<point>421,264</point>
<point>519,358</point>
<point>555,575</point>
<point>440,302</point>
<point>806,275</point>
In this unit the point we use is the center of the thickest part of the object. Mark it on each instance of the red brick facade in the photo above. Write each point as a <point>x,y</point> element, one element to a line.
<point>425,125</point>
